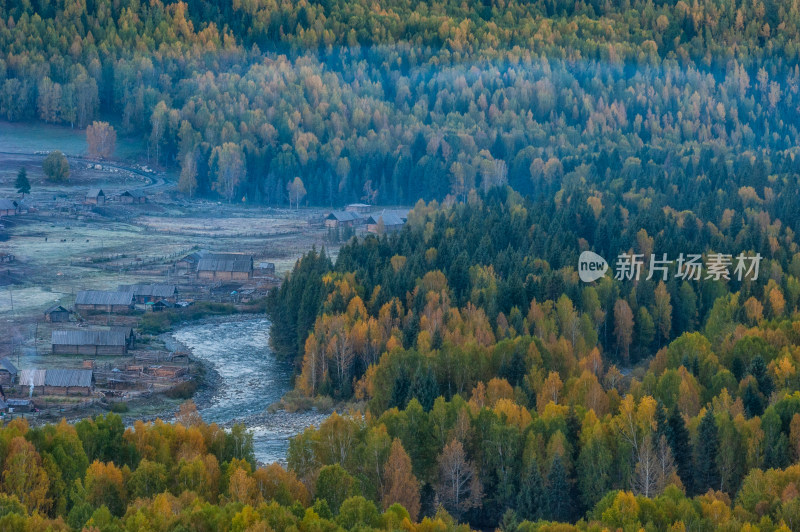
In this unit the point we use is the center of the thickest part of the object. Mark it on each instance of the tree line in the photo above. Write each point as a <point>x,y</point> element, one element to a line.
<point>416,101</point>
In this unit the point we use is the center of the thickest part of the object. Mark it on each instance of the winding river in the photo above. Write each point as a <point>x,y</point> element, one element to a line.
<point>250,379</point>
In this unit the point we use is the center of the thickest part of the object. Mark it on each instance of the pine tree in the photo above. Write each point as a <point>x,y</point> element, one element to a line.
<point>678,439</point>
<point>425,388</point>
<point>532,499</point>
<point>573,433</point>
<point>401,390</point>
<point>706,470</point>
<point>22,184</point>
<point>513,370</point>
<point>509,522</point>
<point>662,425</point>
<point>776,443</point>
<point>758,369</point>
<point>752,401</point>
<point>558,499</point>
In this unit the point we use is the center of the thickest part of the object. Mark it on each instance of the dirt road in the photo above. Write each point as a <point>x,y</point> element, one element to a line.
<point>156,182</point>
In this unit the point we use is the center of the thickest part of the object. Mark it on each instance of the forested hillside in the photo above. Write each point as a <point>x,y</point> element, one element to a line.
<point>469,337</point>
<point>393,101</point>
<point>490,387</point>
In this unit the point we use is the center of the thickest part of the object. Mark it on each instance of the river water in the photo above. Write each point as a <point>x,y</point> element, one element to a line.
<point>251,379</point>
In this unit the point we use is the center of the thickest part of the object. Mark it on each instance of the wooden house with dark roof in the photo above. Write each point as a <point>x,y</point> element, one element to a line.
<point>95,196</point>
<point>343,219</point>
<point>133,196</point>
<point>159,306</point>
<point>56,314</point>
<point>9,207</point>
<point>189,262</point>
<point>8,372</point>
<point>147,293</point>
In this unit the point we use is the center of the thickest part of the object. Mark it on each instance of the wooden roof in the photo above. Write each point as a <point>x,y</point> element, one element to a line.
<point>68,377</point>
<point>102,297</point>
<point>134,193</point>
<point>150,290</point>
<point>343,216</point>
<point>113,337</point>
<point>31,376</point>
<point>225,265</point>
<point>7,365</point>
<point>389,218</point>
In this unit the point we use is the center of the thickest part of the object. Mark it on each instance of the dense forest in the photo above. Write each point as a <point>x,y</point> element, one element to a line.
<point>396,101</point>
<point>489,386</point>
<point>469,337</point>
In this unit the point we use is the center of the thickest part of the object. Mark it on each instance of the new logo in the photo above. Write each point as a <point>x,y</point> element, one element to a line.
<point>591,266</point>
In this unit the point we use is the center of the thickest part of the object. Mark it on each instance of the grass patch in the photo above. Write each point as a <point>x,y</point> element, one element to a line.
<point>29,137</point>
<point>119,407</point>
<point>295,401</point>
<point>257,306</point>
<point>184,390</point>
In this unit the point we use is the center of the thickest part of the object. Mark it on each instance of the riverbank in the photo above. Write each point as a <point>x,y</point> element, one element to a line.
<point>237,380</point>
<point>244,380</point>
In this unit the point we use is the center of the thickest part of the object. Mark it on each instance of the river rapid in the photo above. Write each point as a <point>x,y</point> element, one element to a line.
<point>250,379</point>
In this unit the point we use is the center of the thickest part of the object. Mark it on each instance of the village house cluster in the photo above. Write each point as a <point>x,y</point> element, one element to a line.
<point>360,214</point>
<point>101,331</point>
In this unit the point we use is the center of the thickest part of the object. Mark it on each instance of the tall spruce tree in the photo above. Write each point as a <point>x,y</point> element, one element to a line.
<point>22,184</point>
<point>532,500</point>
<point>706,470</point>
<point>662,425</point>
<point>678,439</point>
<point>758,369</point>
<point>558,493</point>
<point>425,388</point>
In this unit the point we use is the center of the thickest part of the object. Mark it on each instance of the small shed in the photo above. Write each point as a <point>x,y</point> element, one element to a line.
<point>56,314</point>
<point>8,207</point>
<point>133,196</point>
<point>228,268</point>
<point>19,405</point>
<point>189,262</point>
<point>8,372</point>
<point>159,306</point>
<point>146,293</point>
<point>92,342</point>
<point>103,301</point>
<point>95,196</point>
<point>68,381</point>
<point>343,219</point>
<point>267,267</point>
